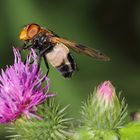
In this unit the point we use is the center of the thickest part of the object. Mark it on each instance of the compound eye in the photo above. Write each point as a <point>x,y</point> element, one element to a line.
<point>33,30</point>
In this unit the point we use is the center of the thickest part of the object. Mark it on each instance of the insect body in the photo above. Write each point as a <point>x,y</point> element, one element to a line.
<point>54,49</point>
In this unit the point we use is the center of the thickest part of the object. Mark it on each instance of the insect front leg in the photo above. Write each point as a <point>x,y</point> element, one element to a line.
<point>24,46</point>
<point>21,48</point>
<point>45,50</point>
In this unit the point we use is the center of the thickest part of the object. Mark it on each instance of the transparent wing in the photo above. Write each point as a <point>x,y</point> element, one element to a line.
<point>82,49</point>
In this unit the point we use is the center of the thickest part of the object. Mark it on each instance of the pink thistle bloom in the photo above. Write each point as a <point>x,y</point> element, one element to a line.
<point>21,88</point>
<point>106,91</point>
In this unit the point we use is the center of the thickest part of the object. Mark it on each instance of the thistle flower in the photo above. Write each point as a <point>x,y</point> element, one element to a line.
<point>21,88</point>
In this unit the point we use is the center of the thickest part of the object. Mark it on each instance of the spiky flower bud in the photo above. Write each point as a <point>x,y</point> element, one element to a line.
<point>102,113</point>
<point>103,109</point>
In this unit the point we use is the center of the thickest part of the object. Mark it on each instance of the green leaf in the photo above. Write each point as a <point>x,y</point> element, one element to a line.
<point>84,134</point>
<point>130,132</point>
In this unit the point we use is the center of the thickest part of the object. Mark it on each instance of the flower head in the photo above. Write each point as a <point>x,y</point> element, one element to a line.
<point>21,88</point>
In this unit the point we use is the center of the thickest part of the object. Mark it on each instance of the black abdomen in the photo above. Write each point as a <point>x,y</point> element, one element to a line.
<point>68,67</point>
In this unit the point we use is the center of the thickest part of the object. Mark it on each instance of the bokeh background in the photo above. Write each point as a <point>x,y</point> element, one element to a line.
<point>112,26</point>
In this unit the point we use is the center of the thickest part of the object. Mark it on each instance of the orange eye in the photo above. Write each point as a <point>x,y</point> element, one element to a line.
<point>33,29</point>
<point>29,31</point>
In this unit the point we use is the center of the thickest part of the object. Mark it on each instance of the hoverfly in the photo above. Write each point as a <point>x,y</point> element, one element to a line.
<point>54,49</point>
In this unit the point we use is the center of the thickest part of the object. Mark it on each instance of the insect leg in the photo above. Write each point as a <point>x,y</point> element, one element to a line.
<point>39,62</point>
<point>45,50</point>
<point>28,47</point>
<point>42,54</point>
<point>23,46</point>
<point>46,63</point>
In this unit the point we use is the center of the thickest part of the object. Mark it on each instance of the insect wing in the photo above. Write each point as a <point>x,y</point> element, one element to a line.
<point>82,49</point>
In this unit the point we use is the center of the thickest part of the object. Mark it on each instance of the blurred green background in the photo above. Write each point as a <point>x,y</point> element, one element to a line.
<point>112,26</point>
